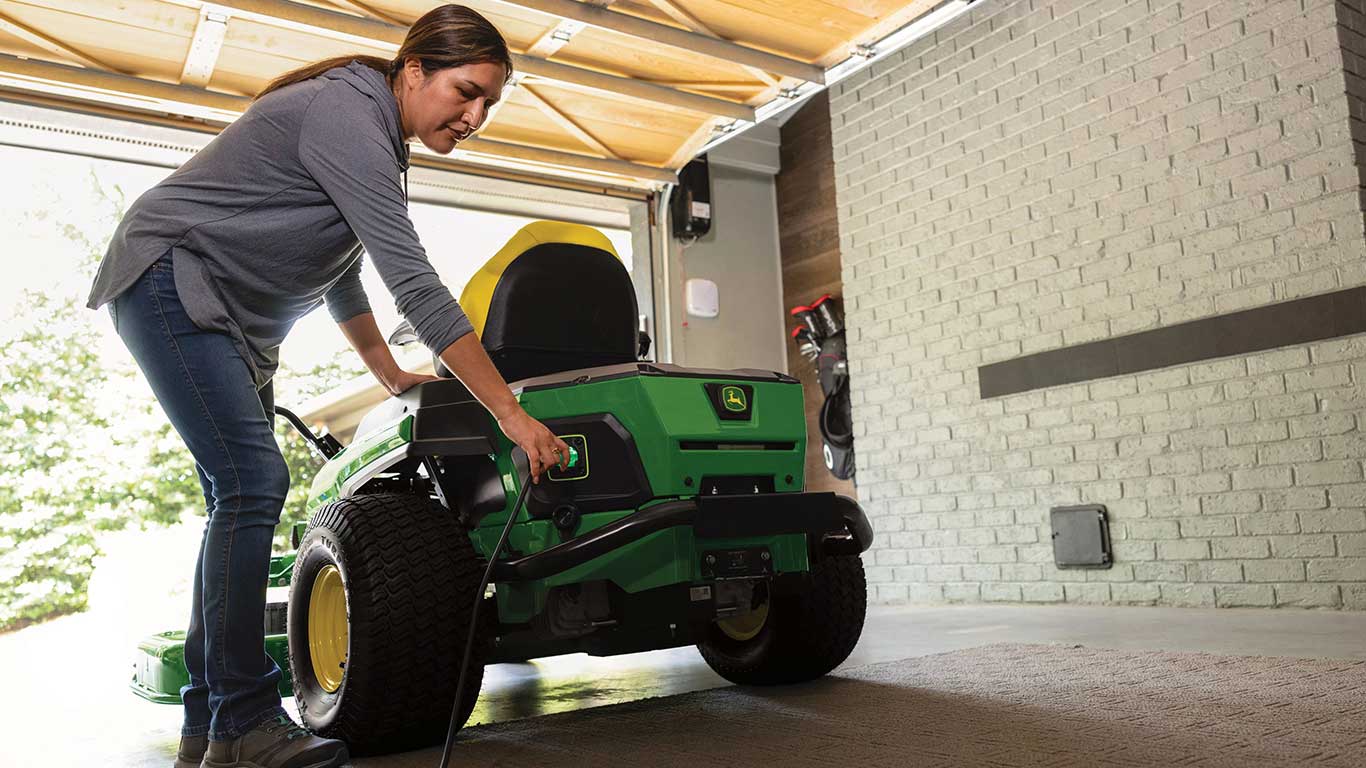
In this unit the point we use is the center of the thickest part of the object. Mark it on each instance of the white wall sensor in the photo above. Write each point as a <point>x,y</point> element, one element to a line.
<point>702,297</point>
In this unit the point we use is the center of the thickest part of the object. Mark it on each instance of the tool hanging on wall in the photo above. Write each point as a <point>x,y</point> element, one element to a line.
<point>820,337</point>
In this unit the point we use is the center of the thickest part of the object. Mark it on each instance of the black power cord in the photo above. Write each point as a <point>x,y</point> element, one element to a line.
<point>474,618</point>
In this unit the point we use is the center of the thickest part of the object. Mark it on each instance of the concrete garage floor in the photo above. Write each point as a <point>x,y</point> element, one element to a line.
<point>73,714</point>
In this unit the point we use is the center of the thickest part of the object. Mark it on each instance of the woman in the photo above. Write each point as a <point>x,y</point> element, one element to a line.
<point>209,270</point>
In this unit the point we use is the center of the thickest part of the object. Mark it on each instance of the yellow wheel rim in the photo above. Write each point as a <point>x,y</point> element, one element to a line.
<point>745,626</point>
<point>327,634</point>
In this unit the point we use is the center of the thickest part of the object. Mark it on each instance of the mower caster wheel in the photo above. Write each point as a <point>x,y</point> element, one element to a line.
<point>800,631</point>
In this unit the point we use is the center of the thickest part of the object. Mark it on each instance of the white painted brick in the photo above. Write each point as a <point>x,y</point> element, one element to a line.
<point>1135,594</point>
<point>1208,526</point>
<point>1303,546</point>
<point>925,593</point>
<point>1181,464</point>
<point>1153,529</point>
<point>1354,596</point>
<point>1217,571</point>
<point>1309,595</point>
<point>1188,549</point>
<point>1264,477</point>
<point>1188,595</point>
<point>1241,595</point>
<point>1010,187</point>
<point>1225,415</point>
<point>1318,378</point>
<point>1258,386</point>
<point>1278,571</point>
<point>1264,524</point>
<point>1282,406</point>
<point>1193,397</point>
<point>1239,548</point>
<point>1162,380</point>
<point>1087,593</point>
<point>1278,360</point>
<point>1132,425</point>
<point>1332,520</point>
<point>1171,421</point>
<point>1290,452</point>
<point>1334,350</point>
<point>1349,545</point>
<point>1294,499</point>
<point>1257,432</point>
<point>1167,505</point>
<point>1338,569</point>
<point>1040,592</point>
<point>1193,485</point>
<point>1328,472</point>
<point>1199,438</point>
<point>1228,458</point>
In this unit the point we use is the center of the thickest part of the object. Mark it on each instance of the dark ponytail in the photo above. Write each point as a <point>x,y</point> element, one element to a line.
<point>446,36</point>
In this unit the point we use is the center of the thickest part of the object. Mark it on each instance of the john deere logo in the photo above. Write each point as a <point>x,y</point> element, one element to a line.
<point>732,402</point>
<point>733,398</point>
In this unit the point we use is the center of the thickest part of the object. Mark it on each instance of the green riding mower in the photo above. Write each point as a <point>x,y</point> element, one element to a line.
<point>680,519</point>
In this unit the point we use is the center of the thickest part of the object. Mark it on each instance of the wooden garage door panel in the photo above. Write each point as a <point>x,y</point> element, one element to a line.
<point>16,47</point>
<point>608,111</point>
<point>546,137</point>
<point>142,42</point>
<point>524,124</point>
<point>520,26</point>
<point>601,49</point>
<point>778,27</point>
<point>518,115</point>
<point>268,42</point>
<point>149,39</point>
<point>611,51</point>
<point>640,135</point>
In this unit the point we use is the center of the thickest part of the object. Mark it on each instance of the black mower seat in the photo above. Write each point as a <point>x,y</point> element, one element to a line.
<point>555,298</point>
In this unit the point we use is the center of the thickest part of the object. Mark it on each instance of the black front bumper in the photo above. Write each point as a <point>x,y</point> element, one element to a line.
<point>835,525</point>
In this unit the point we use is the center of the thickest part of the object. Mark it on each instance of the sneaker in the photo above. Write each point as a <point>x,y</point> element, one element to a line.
<point>191,752</point>
<point>277,743</point>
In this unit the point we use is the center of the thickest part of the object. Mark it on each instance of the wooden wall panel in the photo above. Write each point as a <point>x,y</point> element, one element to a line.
<point>809,240</point>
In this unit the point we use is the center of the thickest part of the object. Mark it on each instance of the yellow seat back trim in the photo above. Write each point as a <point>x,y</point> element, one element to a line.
<point>478,293</point>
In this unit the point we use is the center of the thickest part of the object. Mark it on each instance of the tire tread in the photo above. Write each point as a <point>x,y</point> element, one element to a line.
<point>811,630</point>
<point>411,572</point>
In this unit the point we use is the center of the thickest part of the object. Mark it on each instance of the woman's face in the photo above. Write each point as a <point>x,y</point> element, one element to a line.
<point>443,107</point>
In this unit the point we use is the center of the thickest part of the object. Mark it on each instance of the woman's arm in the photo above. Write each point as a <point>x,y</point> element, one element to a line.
<point>467,359</point>
<point>364,336</point>
<point>355,164</point>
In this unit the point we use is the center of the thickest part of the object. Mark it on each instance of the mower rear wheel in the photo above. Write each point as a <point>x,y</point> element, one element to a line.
<point>382,590</point>
<point>805,628</point>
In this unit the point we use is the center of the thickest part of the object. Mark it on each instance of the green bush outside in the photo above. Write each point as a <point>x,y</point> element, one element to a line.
<point>88,449</point>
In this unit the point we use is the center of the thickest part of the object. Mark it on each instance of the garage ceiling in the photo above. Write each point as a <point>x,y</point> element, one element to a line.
<point>621,93</point>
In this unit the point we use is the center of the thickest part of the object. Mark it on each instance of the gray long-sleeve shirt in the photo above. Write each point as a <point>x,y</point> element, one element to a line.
<point>270,218</point>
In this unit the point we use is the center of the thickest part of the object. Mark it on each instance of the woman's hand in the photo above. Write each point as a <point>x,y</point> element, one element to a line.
<point>362,334</point>
<point>401,381</point>
<point>468,360</point>
<point>543,449</point>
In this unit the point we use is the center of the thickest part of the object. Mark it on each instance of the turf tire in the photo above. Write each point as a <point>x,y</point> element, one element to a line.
<point>813,624</point>
<point>409,574</point>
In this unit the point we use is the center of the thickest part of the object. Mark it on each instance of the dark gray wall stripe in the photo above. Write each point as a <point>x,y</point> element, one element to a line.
<point>1325,316</point>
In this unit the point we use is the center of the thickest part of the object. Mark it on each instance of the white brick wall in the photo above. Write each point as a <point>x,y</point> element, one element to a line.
<point>1042,174</point>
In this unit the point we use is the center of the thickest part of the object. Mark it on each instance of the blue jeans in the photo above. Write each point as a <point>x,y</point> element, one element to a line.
<point>207,391</point>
